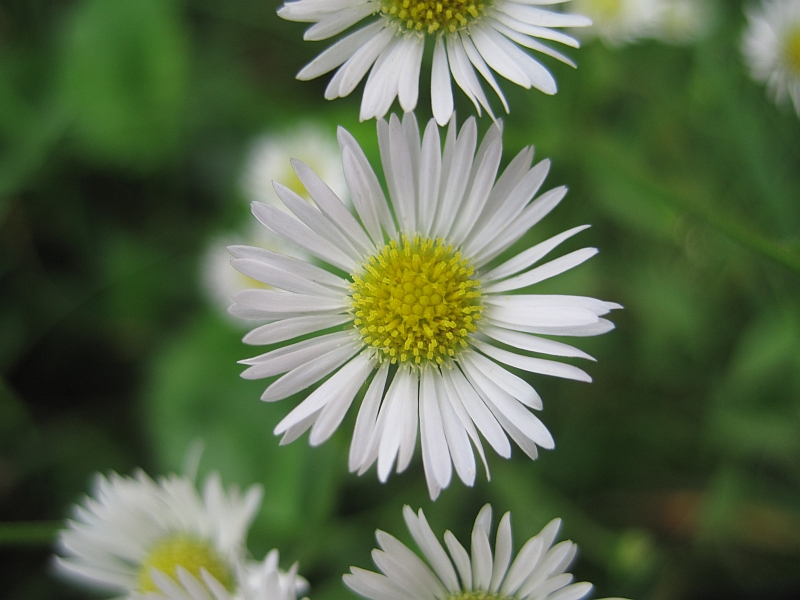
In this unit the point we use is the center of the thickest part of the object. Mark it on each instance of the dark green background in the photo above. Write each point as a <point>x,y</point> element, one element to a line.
<point>123,130</point>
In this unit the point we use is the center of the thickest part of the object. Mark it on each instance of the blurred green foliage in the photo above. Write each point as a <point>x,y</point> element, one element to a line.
<point>124,127</point>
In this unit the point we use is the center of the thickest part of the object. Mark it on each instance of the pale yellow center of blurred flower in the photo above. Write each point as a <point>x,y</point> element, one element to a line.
<point>792,50</point>
<point>432,16</point>
<point>415,301</point>
<point>183,551</point>
<point>605,10</point>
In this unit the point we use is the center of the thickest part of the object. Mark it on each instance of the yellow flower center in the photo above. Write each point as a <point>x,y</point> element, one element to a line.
<point>415,301</point>
<point>792,50</point>
<point>433,16</point>
<point>476,595</point>
<point>184,551</point>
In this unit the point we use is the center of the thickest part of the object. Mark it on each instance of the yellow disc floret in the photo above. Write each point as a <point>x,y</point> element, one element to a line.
<point>431,16</point>
<point>792,50</point>
<point>184,551</point>
<point>476,595</point>
<point>415,301</point>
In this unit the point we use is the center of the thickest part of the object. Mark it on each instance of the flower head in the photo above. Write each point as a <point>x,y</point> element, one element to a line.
<point>467,36</point>
<point>133,526</point>
<point>618,22</point>
<point>771,47</point>
<point>538,571</point>
<point>257,581</point>
<point>422,311</point>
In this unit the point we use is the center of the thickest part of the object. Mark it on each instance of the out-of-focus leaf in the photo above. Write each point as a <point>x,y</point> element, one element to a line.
<point>195,393</point>
<point>124,78</point>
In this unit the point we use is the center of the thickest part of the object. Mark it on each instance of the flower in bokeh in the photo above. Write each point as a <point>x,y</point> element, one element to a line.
<point>684,21</point>
<point>621,21</point>
<point>537,572</point>
<point>268,160</point>
<point>133,526</point>
<point>771,47</point>
<point>423,310</point>
<point>467,35</point>
<point>269,156</point>
<point>257,581</point>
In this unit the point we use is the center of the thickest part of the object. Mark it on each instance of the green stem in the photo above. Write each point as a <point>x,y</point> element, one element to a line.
<point>606,156</point>
<point>31,533</point>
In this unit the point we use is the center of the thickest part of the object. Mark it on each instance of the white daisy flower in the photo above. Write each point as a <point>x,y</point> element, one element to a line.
<point>467,35</point>
<point>422,313</point>
<point>537,572</point>
<point>134,525</point>
<point>771,47</point>
<point>257,581</point>
<point>618,22</point>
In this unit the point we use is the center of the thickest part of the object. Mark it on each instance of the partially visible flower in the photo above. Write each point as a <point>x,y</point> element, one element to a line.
<point>131,526</point>
<point>537,572</point>
<point>269,160</point>
<point>257,581</point>
<point>467,36</point>
<point>684,21</point>
<point>771,47</point>
<point>424,317</point>
<point>619,22</point>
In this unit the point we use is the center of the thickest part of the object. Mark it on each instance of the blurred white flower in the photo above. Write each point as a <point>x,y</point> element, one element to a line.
<point>685,21</point>
<point>132,526</point>
<point>771,47</point>
<point>256,581</point>
<point>619,22</point>
<point>269,158</point>
<point>537,572</point>
<point>467,35</point>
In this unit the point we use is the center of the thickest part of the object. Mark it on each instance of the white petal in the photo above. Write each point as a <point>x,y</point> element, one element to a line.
<point>526,561</point>
<point>365,190</point>
<point>506,380</point>
<point>457,178</point>
<point>291,264</point>
<point>430,171</point>
<point>478,62</point>
<point>543,272</point>
<point>367,415</point>
<point>502,552</point>
<point>309,373</point>
<point>331,206</point>
<point>408,84</point>
<point>435,453</point>
<point>531,343</point>
<point>534,365</point>
<point>296,233</point>
<point>525,259</point>
<point>507,208</point>
<point>337,22</point>
<point>353,375</point>
<point>317,222</point>
<point>418,570</point>
<point>286,329</point>
<point>481,559</point>
<point>457,437</point>
<point>339,52</point>
<point>460,558</point>
<point>285,280</point>
<point>433,551</point>
<point>441,90</point>
<point>409,420</point>
<point>287,302</point>
<point>479,413</point>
